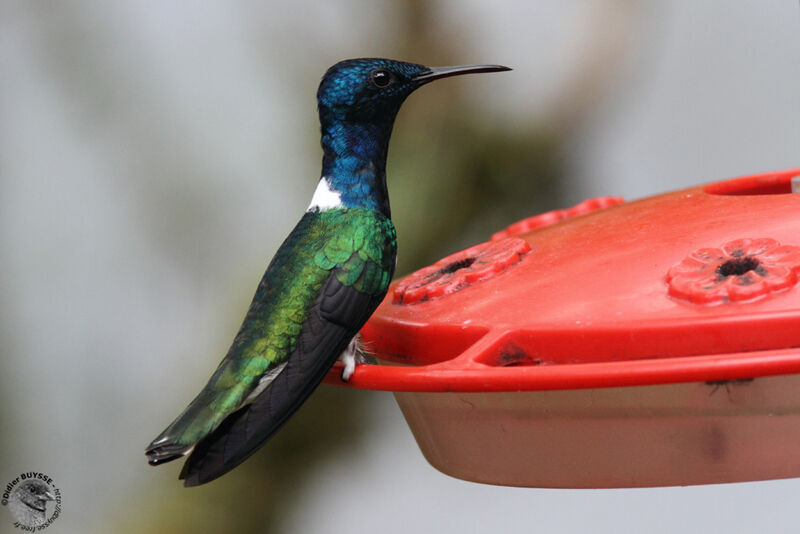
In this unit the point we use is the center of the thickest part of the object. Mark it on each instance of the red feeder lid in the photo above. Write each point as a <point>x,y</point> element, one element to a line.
<point>694,285</point>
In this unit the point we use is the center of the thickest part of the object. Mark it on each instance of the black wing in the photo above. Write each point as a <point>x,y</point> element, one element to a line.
<point>334,318</point>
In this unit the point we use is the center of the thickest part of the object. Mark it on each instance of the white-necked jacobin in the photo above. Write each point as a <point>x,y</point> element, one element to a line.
<point>324,282</point>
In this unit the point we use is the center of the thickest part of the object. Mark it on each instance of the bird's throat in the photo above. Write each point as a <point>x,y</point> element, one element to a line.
<point>354,164</point>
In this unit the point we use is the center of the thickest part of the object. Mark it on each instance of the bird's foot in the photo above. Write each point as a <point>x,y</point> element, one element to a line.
<point>353,355</point>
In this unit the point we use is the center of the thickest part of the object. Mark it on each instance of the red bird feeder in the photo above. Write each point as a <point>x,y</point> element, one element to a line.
<point>613,344</point>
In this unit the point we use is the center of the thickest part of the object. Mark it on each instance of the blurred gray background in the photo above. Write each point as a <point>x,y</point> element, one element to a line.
<point>154,154</point>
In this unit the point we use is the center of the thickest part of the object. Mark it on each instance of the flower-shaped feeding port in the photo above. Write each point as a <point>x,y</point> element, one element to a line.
<point>460,270</point>
<point>548,218</point>
<point>740,270</point>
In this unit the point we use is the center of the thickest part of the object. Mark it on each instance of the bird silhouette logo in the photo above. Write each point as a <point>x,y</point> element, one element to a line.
<point>28,499</point>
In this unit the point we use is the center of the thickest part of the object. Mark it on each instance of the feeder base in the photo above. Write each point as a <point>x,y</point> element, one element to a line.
<point>643,436</point>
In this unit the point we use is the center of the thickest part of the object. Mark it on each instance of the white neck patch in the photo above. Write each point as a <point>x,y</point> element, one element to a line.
<point>324,197</point>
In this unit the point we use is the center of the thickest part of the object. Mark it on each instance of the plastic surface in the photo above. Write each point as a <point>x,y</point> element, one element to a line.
<point>591,306</point>
<point>665,435</point>
<point>535,222</point>
<point>460,270</point>
<point>645,343</point>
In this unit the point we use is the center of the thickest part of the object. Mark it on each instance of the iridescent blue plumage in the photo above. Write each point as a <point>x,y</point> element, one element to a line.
<point>356,117</point>
<point>323,283</point>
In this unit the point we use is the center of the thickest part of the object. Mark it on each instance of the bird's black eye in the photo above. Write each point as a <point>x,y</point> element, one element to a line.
<point>32,489</point>
<point>381,78</point>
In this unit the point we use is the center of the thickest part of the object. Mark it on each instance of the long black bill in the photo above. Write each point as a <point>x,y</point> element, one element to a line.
<point>436,73</point>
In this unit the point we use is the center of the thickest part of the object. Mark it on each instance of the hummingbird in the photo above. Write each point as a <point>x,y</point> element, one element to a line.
<point>322,285</point>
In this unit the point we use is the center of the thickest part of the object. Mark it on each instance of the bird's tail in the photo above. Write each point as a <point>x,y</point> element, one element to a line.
<point>203,415</point>
<point>332,321</point>
<point>179,438</point>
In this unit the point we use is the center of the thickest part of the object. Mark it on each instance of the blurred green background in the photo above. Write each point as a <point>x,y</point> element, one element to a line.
<point>154,154</point>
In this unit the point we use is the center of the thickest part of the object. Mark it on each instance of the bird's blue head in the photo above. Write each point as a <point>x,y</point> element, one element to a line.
<point>366,90</point>
<point>358,100</point>
<point>372,89</point>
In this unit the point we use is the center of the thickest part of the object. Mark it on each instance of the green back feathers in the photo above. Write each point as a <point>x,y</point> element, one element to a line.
<point>360,245</point>
<point>355,245</point>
